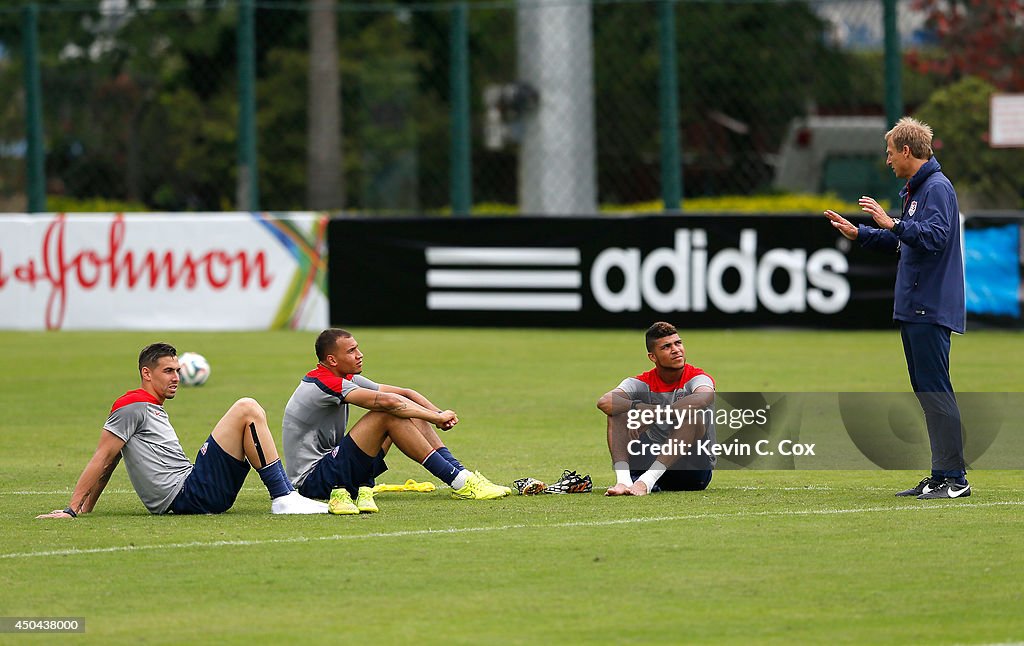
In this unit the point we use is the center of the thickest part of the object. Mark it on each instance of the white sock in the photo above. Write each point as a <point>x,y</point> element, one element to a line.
<point>460,479</point>
<point>622,473</point>
<point>651,475</point>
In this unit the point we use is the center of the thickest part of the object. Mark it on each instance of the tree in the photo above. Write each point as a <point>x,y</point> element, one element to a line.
<point>976,38</point>
<point>326,188</point>
<point>985,177</point>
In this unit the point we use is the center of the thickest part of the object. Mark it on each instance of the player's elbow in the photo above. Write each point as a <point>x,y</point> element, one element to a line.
<point>604,404</point>
<point>389,402</point>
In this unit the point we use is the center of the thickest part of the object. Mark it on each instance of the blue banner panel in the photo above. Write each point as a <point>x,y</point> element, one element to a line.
<point>992,265</point>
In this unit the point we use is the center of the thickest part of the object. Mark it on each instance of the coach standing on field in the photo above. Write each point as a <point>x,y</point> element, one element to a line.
<point>929,302</point>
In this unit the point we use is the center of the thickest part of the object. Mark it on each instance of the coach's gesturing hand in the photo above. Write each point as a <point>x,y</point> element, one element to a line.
<point>842,224</point>
<point>875,210</point>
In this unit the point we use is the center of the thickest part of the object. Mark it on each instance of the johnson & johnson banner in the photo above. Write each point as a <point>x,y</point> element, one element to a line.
<point>196,271</point>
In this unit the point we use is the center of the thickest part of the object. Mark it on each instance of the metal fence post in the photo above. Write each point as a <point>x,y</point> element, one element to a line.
<point>248,195</point>
<point>894,98</point>
<point>461,182</point>
<point>668,107</point>
<point>34,154</point>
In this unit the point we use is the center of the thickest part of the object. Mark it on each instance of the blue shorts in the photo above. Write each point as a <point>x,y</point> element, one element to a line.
<point>214,483</point>
<point>346,466</point>
<point>673,480</point>
<point>688,473</point>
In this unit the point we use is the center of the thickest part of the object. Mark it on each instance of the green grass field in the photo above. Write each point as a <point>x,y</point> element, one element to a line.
<point>760,557</point>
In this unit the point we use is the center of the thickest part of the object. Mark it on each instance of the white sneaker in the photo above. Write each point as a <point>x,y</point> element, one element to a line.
<point>294,503</point>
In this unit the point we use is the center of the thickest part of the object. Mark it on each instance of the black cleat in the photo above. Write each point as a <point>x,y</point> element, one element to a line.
<point>923,487</point>
<point>947,489</point>
<point>571,482</point>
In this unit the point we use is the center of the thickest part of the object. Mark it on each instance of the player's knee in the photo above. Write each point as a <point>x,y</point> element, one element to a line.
<point>250,408</point>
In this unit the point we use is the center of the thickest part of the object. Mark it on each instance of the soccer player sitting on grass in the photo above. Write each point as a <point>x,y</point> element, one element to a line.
<point>139,431</point>
<point>672,382</point>
<point>322,458</point>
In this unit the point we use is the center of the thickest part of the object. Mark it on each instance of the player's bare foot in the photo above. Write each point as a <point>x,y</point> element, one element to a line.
<point>618,490</point>
<point>639,488</point>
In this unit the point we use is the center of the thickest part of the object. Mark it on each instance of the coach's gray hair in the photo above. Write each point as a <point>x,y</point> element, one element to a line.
<point>908,131</point>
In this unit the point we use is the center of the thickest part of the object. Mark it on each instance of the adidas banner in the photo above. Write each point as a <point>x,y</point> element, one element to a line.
<point>696,271</point>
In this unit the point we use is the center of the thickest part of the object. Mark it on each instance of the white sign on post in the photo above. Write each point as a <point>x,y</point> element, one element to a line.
<point>1006,128</point>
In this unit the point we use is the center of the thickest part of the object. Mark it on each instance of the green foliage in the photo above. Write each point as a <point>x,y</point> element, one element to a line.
<point>68,204</point>
<point>281,97</point>
<point>747,204</point>
<point>141,103</point>
<point>766,204</point>
<point>984,177</point>
<point>861,83</point>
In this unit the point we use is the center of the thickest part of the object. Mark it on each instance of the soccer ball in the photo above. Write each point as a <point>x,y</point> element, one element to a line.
<point>193,369</point>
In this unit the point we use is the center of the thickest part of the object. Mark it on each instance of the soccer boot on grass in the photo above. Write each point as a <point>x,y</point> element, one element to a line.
<point>364,501</point>
<point>948,488</point>
<point>478,487</point>
<point>341,503</point>
<point>507,490</point>
<point>529,486</point>
<point>927,484</point>
<point>571,482</point>
<point>294,503</point>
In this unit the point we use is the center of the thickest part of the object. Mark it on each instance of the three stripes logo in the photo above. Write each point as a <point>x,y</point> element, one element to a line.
<point>538,279</point>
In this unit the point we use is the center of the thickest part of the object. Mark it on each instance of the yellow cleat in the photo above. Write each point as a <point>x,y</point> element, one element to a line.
<point>341,503</point>
<point>478,487</point>
<point>508,490</point>
<point>364,501</point>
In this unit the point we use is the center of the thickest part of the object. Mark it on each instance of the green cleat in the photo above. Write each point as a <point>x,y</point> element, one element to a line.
<point>341,503</point>
<point>364,501</point>
<point>478,487</point>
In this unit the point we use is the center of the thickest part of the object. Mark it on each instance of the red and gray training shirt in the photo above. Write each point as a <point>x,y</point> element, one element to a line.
<point>315,419</point>
<point>152,453</point>
<point>649,388</point>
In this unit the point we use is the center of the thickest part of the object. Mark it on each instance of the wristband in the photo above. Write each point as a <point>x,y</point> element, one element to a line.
<point>71,512</point>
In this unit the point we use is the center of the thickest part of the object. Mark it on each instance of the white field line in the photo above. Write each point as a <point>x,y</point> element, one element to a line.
<point>965,505</point>
<point>68,492</point>
<point>597,487</point>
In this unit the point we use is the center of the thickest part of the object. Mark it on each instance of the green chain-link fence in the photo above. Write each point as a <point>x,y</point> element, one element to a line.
<point>141,101</point>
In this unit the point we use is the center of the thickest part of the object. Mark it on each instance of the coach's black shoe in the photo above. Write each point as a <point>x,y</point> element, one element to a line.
<point>923,487</point>
<point>948,489</point>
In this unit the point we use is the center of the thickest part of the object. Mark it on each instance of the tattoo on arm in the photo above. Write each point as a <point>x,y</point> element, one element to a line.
<point>401,405</point>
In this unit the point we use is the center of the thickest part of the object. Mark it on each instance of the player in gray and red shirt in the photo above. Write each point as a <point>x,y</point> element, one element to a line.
<point>139,431</point>
<point>672,387</point>
<point>325,461</point>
